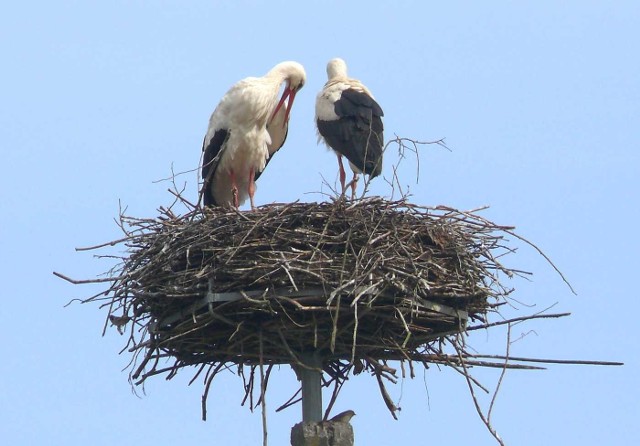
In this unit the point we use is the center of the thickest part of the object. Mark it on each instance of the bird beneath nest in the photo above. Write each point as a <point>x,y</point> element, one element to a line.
<point>349,120</point>
<point>119,322</point>
<point>343,417</point>
<point>246,128</point>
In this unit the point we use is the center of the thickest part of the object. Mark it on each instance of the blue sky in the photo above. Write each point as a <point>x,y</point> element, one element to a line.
<point>538,101</point>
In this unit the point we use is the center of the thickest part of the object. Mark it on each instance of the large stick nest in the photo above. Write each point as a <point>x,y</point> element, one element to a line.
<point>369,278</point>
<point>359,282</point>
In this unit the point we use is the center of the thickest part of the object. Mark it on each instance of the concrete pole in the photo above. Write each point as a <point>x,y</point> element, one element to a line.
<point>325,433</point>
<point>312,431</point>
<point>311,380</point>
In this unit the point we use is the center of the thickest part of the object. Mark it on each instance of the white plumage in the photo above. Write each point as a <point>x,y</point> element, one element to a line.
<point>246,127</point>
<point>349,120</point>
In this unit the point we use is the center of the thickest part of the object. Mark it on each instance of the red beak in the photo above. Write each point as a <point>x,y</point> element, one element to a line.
<point>288,93</point>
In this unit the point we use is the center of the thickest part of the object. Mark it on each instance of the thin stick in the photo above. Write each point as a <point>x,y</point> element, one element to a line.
<point>386,397</point>
<point>516,319</point>
<point>476,404</point>
<point>81,282</point>
<point>502,374</point>
<point>102,245</point>
<point>263,394</point>
<point>551,361</point>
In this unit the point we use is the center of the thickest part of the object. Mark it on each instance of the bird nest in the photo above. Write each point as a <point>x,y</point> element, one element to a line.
<point>358,282</point>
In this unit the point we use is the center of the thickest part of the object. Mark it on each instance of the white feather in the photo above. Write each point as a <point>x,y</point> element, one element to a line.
<point>244,112</point>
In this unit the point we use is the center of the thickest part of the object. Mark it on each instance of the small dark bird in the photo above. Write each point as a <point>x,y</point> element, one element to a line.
<point>343,417</point>
<point>119,322</point>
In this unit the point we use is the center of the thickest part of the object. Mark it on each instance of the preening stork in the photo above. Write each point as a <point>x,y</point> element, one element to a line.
<point>246,128</point>
<point>350,122</point>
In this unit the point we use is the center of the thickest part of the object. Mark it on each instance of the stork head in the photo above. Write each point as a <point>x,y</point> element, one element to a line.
<point>295,76</point>
<point>336,68</point>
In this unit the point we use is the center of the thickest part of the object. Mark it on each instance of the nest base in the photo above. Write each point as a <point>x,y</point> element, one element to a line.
<point>275,325</point>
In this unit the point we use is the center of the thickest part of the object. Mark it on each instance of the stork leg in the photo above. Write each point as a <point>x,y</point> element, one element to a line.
<point>234,189</point>
<point>252,186</point>
<point>343,175</point>
<point>354,183</point>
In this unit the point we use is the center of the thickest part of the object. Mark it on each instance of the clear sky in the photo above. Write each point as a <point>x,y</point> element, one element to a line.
<point>539,102</point>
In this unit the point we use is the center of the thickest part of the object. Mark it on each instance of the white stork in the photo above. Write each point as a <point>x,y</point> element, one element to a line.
<point>246,128</point>
<point>350,122</point>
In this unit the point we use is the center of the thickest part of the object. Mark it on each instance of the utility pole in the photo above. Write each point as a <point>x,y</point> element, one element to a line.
<point>312,431</point>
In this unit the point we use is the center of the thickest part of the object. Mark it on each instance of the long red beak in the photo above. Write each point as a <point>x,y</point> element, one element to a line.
<point>288,93</point>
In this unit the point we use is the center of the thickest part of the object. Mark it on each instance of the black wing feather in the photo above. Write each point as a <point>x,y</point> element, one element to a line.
<point>356,103</point>
<point>358,134</point>
<point>210,162</point>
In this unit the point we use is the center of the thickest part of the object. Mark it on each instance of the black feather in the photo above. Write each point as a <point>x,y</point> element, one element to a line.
<point>358,134</point>
<point>210,161</point>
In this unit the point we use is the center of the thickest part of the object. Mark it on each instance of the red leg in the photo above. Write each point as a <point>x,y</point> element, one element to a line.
<point>234,188</point>
<point>252,186</point>
<point>342,174</point>
<point>354,183</point>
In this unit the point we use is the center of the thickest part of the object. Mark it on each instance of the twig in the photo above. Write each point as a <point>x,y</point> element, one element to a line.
<point>86,281</point>
<point>263,394</point>
<point>476,404</point>
<point>385,397</point>
<point>502,374</point>
<point>516,319</point>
